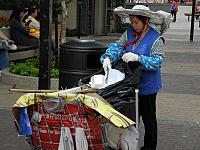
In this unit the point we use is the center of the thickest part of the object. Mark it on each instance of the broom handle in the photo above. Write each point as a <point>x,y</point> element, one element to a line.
<point>88,90</point>
<point>31,91</point>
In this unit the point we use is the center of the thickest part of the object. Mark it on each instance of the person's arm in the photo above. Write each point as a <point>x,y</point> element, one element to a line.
<point>18,26</point>
<point>156,58</point>
<point>115,50</point>
<point>34,24</point>
<point>4,37</point>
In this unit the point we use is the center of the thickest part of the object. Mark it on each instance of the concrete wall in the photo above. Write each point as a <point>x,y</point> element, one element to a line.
<point>71,19</point>
<point>99,16</point>
<point>5,13</point>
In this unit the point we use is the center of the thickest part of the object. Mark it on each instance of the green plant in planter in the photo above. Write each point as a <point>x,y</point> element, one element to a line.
<point>24,70</point>
<point>30,68</point>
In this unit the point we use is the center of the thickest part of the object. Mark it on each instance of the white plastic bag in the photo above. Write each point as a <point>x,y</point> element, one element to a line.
<point>114,76</point>
<point>98,81</point>
<point>123,138</point>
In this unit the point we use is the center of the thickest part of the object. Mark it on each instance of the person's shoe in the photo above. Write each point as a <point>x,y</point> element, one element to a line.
<point>12,46</point>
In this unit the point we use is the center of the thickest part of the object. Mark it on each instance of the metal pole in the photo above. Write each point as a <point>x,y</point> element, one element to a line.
<point>192,21</point>
<point>79,3</point>
<point>45,44</point>
<point>137,108</point>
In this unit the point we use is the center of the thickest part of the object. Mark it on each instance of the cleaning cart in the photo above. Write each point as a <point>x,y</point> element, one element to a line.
<point>81,118</point>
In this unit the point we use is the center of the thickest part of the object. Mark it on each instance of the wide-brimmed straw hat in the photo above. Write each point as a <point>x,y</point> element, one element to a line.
<point>160,20</point>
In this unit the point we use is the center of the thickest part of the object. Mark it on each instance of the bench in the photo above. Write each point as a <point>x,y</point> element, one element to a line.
<point>22,52</point>
<point>190,14</point>
<point>196,15</point>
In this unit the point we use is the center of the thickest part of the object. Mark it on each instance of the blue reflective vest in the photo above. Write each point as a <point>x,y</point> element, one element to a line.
<point>150,81</point>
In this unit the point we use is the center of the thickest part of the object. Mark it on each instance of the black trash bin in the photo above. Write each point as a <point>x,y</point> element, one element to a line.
<point>78,59</point>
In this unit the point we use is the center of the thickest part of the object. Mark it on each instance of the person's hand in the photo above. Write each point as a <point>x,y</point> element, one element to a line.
<point>11,45</point>
<point>106,64</point>
<point>33,35</point>
<point>10,42</point>
<point>130,57</point>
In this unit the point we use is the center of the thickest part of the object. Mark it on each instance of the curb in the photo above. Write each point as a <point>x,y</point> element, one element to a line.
<point>24,81</point>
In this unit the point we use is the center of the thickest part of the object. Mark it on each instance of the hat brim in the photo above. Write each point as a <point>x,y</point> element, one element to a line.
<point>122,12</point>
<point>156,18</point>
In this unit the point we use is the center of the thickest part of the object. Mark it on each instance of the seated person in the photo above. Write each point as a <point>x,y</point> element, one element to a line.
<point>19,33</point>
<point>5,45</point>
<point>32,23</point>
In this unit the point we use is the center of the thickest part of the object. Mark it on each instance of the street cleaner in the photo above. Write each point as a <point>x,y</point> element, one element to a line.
<point>142,42</point>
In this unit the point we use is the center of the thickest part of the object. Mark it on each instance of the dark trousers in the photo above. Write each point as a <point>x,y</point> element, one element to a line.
<point>173,13</point>
<point>147,110</point>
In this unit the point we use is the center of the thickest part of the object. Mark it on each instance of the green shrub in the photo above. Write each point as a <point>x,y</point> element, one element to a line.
<point>24,70</point>
<point>31,68</point>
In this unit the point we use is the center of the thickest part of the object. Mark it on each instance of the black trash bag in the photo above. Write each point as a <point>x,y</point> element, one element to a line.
<point>121,95</point>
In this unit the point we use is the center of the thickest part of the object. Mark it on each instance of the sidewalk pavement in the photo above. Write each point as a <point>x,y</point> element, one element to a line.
<point>177,105</point>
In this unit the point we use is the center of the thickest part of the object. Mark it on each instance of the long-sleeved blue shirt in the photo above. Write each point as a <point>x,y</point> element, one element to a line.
<point>116,50</point>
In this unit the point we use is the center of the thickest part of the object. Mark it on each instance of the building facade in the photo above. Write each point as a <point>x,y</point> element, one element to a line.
<point>94,15</point>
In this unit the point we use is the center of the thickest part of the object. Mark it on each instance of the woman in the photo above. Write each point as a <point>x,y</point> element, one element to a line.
<point>19,33</point>
<point>32,23</point>
<point>142,43</point>
<point>174,9</point>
